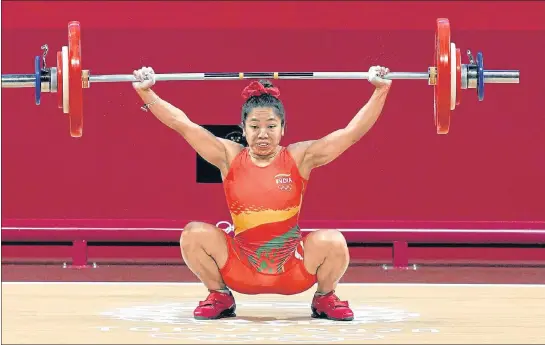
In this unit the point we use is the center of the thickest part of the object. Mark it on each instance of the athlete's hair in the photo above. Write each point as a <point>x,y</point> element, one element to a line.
<point>262,94</point>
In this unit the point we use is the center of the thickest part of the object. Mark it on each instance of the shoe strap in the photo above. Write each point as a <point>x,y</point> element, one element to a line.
<point>335,301</point>
<point>212,299</point>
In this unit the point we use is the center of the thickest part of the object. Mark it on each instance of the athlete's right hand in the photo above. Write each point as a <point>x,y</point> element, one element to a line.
<point>376,74</point>
<point>145,78</point>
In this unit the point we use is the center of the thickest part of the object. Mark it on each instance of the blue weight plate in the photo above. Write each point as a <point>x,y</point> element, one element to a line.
<point>480,76</point>
<point>38,79</point>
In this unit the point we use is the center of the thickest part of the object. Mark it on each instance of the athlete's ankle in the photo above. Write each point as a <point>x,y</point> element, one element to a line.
<point>224,290</point>
<point>322,292</point>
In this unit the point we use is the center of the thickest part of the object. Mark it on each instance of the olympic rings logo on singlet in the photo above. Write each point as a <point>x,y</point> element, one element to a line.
<point>284,182</point>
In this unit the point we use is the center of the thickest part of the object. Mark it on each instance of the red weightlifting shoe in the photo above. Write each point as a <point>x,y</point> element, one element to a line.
<point>330,307</point>
<point>216,306</point>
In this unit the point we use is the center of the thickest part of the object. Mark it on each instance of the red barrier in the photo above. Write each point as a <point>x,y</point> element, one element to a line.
<point>529,233</point>
<point>304,223</point>
<point>520,236</point>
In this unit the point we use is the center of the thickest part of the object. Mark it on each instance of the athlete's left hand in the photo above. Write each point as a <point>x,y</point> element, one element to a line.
<point>375,76</point>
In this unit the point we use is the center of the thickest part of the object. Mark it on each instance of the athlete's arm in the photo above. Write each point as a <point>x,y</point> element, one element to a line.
<point>322,151</point>
<point>216,151</point>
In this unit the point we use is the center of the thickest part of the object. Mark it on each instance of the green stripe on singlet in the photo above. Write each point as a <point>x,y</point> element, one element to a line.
<point>275,243</point>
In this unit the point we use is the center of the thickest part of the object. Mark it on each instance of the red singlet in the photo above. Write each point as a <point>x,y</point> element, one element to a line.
<point>264,203</point>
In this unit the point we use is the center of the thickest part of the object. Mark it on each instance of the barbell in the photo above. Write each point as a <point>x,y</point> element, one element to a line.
<point>448,77</point>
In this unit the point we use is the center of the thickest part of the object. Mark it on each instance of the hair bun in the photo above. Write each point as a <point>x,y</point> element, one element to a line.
<point>259,88</point>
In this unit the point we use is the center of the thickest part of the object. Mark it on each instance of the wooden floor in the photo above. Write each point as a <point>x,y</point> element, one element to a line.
<point>152,313</point>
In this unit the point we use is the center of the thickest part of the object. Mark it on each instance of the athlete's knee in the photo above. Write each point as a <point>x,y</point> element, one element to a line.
<point>328,238</point>
<point>322,246</point>
<point>195,233</point>
<point>198,235</point>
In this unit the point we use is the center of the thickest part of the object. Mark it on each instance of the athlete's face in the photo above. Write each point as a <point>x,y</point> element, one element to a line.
<point>263,130</point>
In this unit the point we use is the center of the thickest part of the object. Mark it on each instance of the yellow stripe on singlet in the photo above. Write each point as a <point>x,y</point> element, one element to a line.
<point>250,219</point>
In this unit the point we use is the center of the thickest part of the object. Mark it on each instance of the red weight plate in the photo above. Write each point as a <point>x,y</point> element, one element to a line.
<point>76,89</point>
<point>59,79</point>
<point>443,84</point>
<point>458,76</point>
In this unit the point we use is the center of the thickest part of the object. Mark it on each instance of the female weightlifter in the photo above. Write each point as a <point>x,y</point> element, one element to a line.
<point>264,184</point>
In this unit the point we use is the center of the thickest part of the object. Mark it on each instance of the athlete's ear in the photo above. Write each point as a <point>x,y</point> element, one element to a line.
<point>283,129</point>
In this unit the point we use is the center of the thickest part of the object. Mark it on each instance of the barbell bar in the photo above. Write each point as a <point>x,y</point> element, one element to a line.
<point>28,80</point>
<point>448,77</point>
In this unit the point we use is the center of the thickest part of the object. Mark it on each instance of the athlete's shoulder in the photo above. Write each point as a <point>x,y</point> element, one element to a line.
<point>232,148</point>
<point>299,147</point>
<point>234,155</point>
<point>297,150</point>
